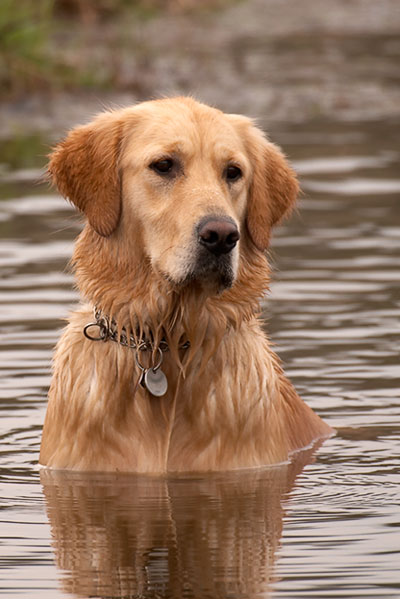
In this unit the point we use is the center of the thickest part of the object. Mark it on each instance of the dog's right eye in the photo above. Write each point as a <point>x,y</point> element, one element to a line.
<point>162,167</point>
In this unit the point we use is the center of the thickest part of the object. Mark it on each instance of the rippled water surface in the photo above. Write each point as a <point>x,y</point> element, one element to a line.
<point>328,527</point>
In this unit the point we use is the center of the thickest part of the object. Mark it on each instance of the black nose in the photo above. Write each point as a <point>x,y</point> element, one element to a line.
<point>219,235</point>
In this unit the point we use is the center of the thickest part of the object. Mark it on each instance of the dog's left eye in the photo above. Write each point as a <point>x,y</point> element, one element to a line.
<point>233,173</point>
<point>162,167</point>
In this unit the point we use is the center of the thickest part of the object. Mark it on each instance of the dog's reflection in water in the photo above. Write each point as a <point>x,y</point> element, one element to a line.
<point>130,536</point>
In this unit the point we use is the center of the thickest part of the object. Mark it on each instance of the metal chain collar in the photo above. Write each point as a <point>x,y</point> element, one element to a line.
<point>152,377</point>
<point>108,330</point>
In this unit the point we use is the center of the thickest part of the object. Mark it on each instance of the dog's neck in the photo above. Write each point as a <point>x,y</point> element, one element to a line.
<point>104,328</point>
<point>137,298</point>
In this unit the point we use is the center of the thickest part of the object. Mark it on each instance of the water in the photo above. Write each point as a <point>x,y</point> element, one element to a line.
<point>328,525</point>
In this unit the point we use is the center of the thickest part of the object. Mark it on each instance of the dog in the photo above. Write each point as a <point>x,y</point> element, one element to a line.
<point>165,366</point>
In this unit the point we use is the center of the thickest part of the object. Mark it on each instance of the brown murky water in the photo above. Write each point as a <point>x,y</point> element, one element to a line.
<point>323,527</point>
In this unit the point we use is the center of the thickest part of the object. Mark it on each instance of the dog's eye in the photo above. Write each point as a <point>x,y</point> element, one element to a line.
<point>233,173</point>
<point>162,167</point>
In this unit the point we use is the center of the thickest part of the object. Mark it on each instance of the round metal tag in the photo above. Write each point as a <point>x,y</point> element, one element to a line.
<point>155,382</point>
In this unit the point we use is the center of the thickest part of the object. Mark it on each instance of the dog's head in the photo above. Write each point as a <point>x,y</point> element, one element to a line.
<point>185,183</point>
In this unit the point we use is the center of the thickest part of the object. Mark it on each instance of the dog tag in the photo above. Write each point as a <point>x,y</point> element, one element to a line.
<point>155,382</point>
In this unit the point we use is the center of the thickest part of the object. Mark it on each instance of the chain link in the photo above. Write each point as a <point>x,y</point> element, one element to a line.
<point>108,331</point>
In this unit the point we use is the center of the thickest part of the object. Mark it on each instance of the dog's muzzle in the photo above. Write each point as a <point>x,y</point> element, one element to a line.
<point>216,261</point>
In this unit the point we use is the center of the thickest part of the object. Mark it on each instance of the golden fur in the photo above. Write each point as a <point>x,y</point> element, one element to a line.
<point>228,403</point>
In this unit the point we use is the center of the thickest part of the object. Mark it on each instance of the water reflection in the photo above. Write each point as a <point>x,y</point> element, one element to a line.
<point>136,536</point>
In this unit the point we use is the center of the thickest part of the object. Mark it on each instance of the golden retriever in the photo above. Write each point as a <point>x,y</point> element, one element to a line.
<point>165,368</point>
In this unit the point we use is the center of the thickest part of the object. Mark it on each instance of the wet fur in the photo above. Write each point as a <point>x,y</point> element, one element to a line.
<point>228,403</point>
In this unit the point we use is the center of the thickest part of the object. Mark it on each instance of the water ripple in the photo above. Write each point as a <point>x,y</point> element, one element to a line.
<point>332,314</point>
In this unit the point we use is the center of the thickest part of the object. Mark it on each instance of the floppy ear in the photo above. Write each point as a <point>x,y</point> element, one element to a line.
<point>85,169</point>
<point>273,190</point>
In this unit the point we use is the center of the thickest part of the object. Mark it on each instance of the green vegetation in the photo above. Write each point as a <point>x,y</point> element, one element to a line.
<point>49,44</point>
<point>24,31</point>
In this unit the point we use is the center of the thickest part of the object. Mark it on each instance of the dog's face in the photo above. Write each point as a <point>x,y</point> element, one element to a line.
<point>182,180</point>
<point>186,177</point>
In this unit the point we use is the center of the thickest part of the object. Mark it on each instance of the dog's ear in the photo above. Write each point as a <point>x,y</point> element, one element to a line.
<point>273,193</point>
<point>85,169</point>
<point>274,187</point>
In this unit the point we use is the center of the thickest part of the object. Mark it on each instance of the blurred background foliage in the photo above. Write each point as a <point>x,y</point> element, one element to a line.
<point>44,43</point>
<point>277,60</point>
<point>24,33</point>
